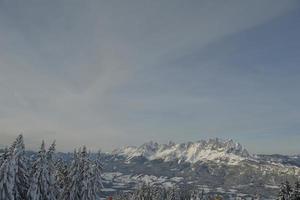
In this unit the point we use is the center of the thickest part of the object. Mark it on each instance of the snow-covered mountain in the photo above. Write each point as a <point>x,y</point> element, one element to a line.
<point>221,165</point>
<point>217,150</point>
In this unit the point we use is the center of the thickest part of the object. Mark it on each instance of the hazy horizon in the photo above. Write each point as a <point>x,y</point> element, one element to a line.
<point>114,73</point>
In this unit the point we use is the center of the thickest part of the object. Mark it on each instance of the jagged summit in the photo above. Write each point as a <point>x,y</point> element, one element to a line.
<point>204,150</point>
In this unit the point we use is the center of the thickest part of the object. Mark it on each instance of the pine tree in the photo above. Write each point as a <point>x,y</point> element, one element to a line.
<point>173,194</point>
<point>86,176</point>
<point>53,187</point>
<point>96,180</point>
<point>158,192</point>
<point>73,188</point>
<point>39,185</point>
<point>20,162</point>
<point>14,172</point>
<point>144,193</point>
<point>296,191</point>
<point>61,175</point>
<point>288,190</point>
<point>4,155</point>
<point>285,191</point>
<point>6,180</point>
<point>281,195</point>
<point>196,195</point>
<point>202,195</point>
<point>43,183</point>
<point>82,181</point>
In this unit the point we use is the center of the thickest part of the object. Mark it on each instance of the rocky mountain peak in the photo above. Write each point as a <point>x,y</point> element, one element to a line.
<point>215,149</point>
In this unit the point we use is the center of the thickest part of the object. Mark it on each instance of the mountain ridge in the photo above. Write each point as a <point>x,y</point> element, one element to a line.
<point>216,149</point>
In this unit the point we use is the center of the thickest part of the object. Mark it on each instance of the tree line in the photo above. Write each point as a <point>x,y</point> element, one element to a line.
<point>158,192</point>
<point>41,177</point>
<point>288,191</point>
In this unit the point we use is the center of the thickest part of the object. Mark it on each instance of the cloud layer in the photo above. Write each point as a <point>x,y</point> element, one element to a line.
<point>110,73</point>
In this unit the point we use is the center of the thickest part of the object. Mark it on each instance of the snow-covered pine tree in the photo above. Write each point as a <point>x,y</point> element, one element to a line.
<point>158,192</point>
<point>281,195</point>
<point>6,180</point>
<point>195,195</point>
<point>72,190</point>
<point>53,190</point>
<point>86,175</point>
<point>173,194</point>
<point>40,188</point>
<point>20,161</point>
<point>187,191</point>
<point>96,180</point>
<point>91,176</point>
<point>288,190</point>
<point>123,196</point>
<point>61,175</point>
<point>296,191</point>
<point>285,191</point>
<point>144,192</point>
<point>84,178</point>
<point>14,172</point>
<point>4,155</point>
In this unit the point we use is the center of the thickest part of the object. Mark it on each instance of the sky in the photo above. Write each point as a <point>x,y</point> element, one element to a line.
<point>113,73</point>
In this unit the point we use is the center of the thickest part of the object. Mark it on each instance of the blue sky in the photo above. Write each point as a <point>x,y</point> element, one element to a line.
<point>113,73</point>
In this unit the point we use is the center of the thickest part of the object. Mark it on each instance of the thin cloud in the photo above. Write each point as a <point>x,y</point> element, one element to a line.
<point>99,72</point>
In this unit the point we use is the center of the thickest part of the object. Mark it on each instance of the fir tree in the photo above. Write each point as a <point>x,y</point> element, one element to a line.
<point>19,163</point>
<point>144,193</point>
<point>296,191</point>
<point>73,187</point>
<point>173,194</point>
<point>13,172</point>
<point>158,192</point>
<point>195,195</point>
<point>53,191</point>
<point>281,195</point>
<point>39,186</point>
<point>285,191</point>
<point>6,180</point>
<point>86,176</point>
<point>96,180</point>
<point>61,175</point>
<point>4,155</point>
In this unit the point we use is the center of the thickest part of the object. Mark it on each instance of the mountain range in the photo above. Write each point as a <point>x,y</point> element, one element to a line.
<point>192,152</point>
<point>214,165</point>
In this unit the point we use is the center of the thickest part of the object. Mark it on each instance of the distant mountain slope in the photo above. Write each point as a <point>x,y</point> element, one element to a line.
<point>216,164</point>
<point>211,150</point>
<point>283,159</point>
